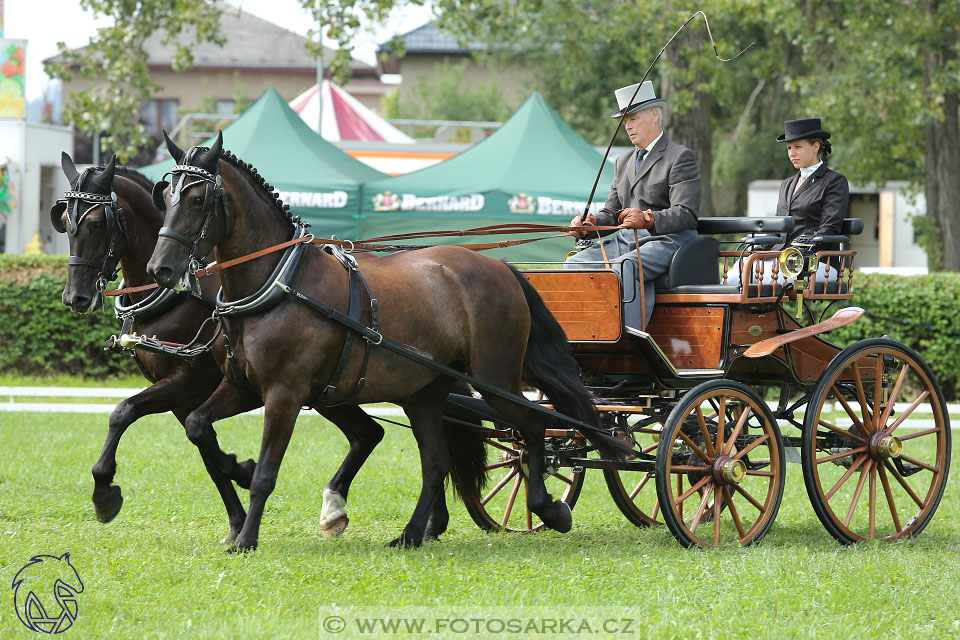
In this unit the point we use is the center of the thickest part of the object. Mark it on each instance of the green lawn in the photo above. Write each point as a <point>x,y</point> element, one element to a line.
<point>158,570</point>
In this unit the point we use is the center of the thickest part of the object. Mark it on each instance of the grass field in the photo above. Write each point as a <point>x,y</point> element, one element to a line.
<point>158,570</point>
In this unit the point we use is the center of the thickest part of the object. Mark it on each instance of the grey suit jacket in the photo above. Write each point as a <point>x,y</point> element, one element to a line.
<point>668,184</point>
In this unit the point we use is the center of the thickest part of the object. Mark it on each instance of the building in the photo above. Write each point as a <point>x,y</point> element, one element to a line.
<point>427,48</point>
<point>257,55</point>
<point>887,241</point>
<point>30,164</point>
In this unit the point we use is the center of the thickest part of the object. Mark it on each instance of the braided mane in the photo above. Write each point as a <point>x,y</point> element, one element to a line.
<point>265,187</point>
<point>136,176</point>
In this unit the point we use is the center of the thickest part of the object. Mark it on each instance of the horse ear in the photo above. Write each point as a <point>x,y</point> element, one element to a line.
<point>175,152</point>
<point>158,200</point>
<point>211,157</point>
<point>104,179</point>
<point>69,169</point>
<point>56,216</point>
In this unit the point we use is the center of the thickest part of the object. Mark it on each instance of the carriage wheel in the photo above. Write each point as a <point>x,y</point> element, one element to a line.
<point>721,481</point>
<point>635,492</point>
<point>876,443</point>
<point>503,507</point>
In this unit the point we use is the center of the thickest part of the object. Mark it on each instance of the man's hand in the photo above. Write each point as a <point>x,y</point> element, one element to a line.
<point>636,219</point>
<point>582,224</point>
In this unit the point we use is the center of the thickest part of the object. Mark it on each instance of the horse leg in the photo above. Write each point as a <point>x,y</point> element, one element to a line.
<point>228,400</point>
<point>281,408</point>
<point>363,434</point>
<point>554,513</point>
<point>163,395</point>
<point>424,409</point>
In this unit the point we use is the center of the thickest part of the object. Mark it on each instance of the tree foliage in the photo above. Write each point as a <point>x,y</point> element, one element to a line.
<point>445,96</point>
<point>883,75</point>
<point>116,55</point>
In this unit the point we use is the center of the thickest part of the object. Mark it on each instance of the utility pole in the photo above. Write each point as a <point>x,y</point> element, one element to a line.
<point>320,79</point>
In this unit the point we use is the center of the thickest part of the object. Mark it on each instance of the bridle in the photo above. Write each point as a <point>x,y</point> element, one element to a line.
<point>116,227</point>
<point>183,177</point>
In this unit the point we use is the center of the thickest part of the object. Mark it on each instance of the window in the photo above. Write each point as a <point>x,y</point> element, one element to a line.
<point>225,106</point>
<point>157,115</point>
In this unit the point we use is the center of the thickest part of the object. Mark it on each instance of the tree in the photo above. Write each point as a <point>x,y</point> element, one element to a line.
<point>116,55</point>
<point>445,97</point>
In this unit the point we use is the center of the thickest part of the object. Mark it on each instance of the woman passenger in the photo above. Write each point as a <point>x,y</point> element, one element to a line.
<point>816,196</point>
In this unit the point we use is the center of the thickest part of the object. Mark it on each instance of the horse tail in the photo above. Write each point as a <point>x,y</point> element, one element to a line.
<point>549,365</point>
<point>468,453</point>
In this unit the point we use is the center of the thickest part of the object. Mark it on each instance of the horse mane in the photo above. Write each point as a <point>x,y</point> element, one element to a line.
<point>265,188</point>
<point>136,176</point>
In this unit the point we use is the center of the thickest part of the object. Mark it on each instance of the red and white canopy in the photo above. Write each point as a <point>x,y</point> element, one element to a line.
<point>344,117</point>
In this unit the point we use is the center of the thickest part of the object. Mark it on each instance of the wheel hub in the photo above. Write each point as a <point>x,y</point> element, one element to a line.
<point>726,470</point>
<point>883,445</point>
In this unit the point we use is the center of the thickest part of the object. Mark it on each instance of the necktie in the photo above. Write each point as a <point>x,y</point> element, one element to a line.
<point>799,182</point>
<point>640,154</point>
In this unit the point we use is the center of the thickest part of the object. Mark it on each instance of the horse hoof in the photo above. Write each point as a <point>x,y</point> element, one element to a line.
<point>108,508</point>
<point>237,549</point>
<point>245,474</point>
<point>564,521</point>
<point>403,543</point>
<point>335,528</point>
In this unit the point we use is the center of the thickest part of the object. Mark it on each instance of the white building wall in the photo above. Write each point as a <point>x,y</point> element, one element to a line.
<point>29,148</point>
<point>762,198</point>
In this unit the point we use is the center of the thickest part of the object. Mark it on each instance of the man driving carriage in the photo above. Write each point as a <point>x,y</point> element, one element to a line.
<point>655,195</point>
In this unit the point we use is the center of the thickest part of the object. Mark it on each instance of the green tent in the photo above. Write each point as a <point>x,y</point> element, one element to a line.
<point>533,169</point>
<point>319,182</point>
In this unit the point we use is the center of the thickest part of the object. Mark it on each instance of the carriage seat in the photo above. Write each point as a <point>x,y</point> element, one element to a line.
<point>695,266</point>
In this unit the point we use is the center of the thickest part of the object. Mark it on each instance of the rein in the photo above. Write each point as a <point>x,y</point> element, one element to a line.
<point>374,244</point>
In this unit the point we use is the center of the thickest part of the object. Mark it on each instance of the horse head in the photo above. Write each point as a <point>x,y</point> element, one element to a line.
<point>196,214</point>
<point>93,221</point>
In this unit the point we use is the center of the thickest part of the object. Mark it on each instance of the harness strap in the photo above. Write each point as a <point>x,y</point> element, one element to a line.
<point>376,339</point>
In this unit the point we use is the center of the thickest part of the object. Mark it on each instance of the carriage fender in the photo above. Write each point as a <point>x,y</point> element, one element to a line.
<point>841,318</point>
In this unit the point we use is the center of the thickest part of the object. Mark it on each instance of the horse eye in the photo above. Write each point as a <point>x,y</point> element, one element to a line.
<point>97,224</point>
<point>198,200</point>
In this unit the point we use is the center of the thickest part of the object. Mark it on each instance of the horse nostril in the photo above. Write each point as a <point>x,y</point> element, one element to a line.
<point>163,276</point>
<point>80,303</point>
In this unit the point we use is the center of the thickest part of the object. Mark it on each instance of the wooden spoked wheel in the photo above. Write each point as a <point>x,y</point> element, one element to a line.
<point>635,492</point>
<point>720,481</point>
<point>503,507</point>
<point>876,443</point>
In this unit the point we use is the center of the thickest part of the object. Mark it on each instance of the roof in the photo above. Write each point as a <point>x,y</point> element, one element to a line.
<point>252,43</point>
<point>533,169</point>
<point>430,38</point>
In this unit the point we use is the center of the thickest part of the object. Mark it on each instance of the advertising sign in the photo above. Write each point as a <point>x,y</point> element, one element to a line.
<point>13,102</point>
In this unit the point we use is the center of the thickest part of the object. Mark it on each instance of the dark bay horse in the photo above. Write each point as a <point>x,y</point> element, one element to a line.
<point>125,236</point>
<point>459,308</point>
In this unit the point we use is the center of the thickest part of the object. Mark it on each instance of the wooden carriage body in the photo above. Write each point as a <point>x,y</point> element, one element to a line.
<point>702,328</point>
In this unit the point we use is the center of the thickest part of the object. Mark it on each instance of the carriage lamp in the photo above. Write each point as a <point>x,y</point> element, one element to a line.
<point>798,262</point>
<point>791,262</point>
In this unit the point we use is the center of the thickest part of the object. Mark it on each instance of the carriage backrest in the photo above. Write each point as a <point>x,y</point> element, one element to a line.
<point>773,224</point>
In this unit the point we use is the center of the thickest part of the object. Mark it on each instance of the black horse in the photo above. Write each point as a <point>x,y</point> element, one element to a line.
<point>111,222</point>
<point>459,308</point>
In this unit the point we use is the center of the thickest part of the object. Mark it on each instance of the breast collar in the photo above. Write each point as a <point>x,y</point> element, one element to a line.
<point>273,290</point>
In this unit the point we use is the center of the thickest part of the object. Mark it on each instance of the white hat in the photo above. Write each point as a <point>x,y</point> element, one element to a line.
<point>645,99</point>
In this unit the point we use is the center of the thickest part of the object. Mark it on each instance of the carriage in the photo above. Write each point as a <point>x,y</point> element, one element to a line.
<point>689,393</point>
<point>686,395</point>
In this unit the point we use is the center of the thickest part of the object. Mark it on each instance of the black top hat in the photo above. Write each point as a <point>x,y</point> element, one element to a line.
<point>802,129</point>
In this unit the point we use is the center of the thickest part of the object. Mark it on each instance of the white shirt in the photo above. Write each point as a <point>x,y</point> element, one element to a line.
<point>806,172</point>
<point>655,141</point>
